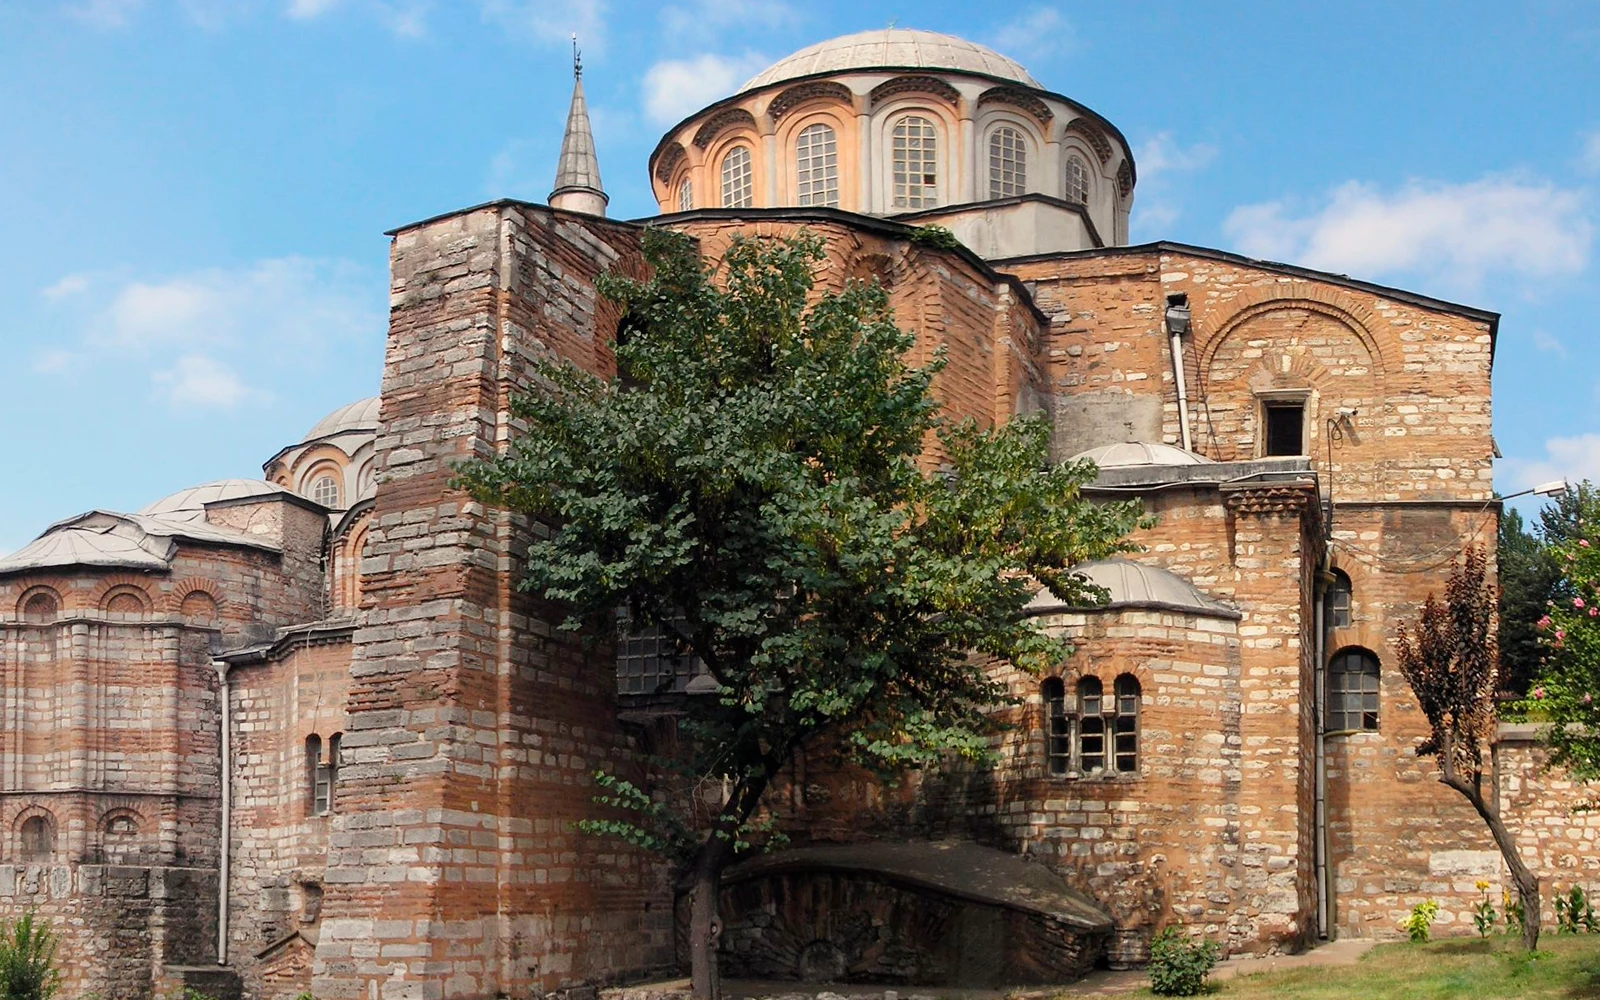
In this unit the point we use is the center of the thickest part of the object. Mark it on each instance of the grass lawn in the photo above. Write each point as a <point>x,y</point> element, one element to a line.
<point>1566,968</point>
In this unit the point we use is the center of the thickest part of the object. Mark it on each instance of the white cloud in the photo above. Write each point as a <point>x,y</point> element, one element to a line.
<point>104,14</point>
<point>1571,458</point>
<point>1035,33</point>
<point>1548,343</point>
<point>676,88</point>
<point>1161,154</point>
<point>705,18</point>
<point>72,284</point>
<point>1589,158</point>
<point>53,361</point>
<point>301,10</point>
<point>1457,232</point>
<point>196,381</point>
<point>550,22</point>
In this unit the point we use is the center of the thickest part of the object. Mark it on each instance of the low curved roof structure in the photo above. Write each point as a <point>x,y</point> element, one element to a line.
<point>104,539</point>
<point>1128,454</point>
<point>362,415</point>
<point>1136,585</point>
<point>892,48</point>
<point>190,504</point>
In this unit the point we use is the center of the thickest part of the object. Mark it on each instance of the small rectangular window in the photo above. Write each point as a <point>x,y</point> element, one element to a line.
<point>1285,428</point>
<point>323,791</point>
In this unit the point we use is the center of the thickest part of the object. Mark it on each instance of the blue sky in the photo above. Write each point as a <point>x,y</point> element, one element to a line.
<point>193,192</point>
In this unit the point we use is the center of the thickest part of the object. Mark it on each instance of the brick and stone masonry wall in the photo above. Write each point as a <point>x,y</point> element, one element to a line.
<point>474,724</point>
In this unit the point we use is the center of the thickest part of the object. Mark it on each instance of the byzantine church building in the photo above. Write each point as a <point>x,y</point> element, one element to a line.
<point>303,732</point>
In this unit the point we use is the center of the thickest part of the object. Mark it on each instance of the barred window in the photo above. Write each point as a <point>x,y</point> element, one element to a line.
<point>1091,727</point>
<point>685,195</point>
<point>649,662</point>
<point>916,163</point>
<point>1008,163</point>
<point>1058,726</point>
<point>737,186</point>
<point>1338,601</point>
<point>1125,739</point>
<point>1352,691</point>
<point>817,166</point>
<point>1077,180</point>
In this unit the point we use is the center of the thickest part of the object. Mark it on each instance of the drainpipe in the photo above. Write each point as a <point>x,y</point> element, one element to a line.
<point>1320,762</point>
<point>1177,320</point>
<point>227,811</point>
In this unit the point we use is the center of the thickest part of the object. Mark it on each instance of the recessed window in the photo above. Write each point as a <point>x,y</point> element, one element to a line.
<point>321,774</point>
<point>737,187</point>
<point>41,606</point>
<point>1058,726</point>
<point>1125,738</point>
<point>326,491</point>
<point>1285,427</point>
<point>1077,179</point>
<point>649,662</point>
<point>1008,163</point>
<point>685,195</point>
<point>1337,602</point>
<point>1352,692</point>
<point>817,167</point>
<point>121,828</point>
<point>1091,727</point>
<point>38,838</point>
<point>916,163</point>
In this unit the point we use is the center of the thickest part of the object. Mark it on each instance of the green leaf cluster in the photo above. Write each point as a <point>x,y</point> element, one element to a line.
<point>1178,966</point>
<point>755,483</point>
<point>27,960</point>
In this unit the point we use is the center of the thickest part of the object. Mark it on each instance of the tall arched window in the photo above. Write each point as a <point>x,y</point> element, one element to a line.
<point>685,195</point>
<point>1337,601</point>
<point>1125,738</point>
<point>1008,163</point>
<point>38,836</point>
<point>1091,726</point>
<point>1058,726</point>
<point>326,491</point>
<point>737,186</point>
<point>816,163</point>
<point>1352,691</point>
<point>916,163</point>
<point>1077,179</point>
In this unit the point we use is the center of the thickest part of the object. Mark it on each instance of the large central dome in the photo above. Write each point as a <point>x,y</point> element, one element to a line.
<point>892,48</point>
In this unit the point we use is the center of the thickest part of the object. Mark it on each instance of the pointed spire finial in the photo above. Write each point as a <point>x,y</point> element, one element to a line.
<point>578,173</point>
<point>577,58</point>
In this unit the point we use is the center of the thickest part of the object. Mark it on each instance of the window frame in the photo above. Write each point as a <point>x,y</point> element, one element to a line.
<point>830,190</point>
<point>1340,586</point>
<point>1342,715</point>
<point>1266,402</point>
<point>685,193</point>
<point>925,200</point>
<point>1059,731</point>
<point>1022,147</point>
<point>749,170</point>
<point>1126,697</point>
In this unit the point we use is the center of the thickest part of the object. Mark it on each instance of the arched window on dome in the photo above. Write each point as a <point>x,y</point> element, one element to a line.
<point>1077,179</point>
<point>326,491</point>
<point>1091,726</point>
<point>816,163</point>
<point>915,158</point>
<point>1352,697</point>
<point>737,186</point>
<point>685,195</point>
<point>1008,163</point>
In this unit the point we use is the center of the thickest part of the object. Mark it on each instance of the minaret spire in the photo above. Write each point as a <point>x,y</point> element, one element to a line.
<point>578,173</point>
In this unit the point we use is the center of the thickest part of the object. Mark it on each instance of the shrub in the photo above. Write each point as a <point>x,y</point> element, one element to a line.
<point>1178,966</point>
<point>1421,919</point>
<point>27,960</point>
<point>1574,912</point>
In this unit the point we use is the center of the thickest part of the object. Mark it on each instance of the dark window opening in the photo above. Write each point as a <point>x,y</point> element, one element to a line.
<point>1352,692</point>
<point>1338,601</point>
<point>1125,741</point>
<point>38,839</point>
<point>1285,428</point>
<point>1058,731</point>
<point>1092,728</point>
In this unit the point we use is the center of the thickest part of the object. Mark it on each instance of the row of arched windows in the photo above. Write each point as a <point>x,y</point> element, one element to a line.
<point>914,168</point>
<point>36,834</point>
<point>1090,733</point>
<point>42,604</point>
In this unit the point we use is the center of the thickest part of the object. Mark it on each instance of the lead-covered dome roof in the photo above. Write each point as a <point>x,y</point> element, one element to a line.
<point>362,415</point>
<point>892,48</point>
<point>1131,584</point>
<point>190,504</point>
<point>1133,453</point>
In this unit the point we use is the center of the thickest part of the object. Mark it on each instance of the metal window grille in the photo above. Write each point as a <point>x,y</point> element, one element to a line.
<point>1008,163</point>
<point>685,195</point>
<point>651,663</point>
<point>915,158</point>
<point>1352,692</point>
<point>1091,727</point>
<point>1077,180</point>
<point>326,491</point>
<point>817,167</point>
<point>736,178</point>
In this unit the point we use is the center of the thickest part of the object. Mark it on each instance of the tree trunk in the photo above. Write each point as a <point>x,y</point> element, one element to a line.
<point>1526,881</point>
<point>705,922</point>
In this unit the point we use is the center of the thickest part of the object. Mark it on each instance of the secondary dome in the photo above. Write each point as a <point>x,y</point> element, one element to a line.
<point>362,415</point>
<point>892,48</point>
<point>1131,453</point>
<point>1138,585</point>
<point>190,504</point>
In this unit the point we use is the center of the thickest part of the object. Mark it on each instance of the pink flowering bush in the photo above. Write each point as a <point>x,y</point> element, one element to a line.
<point>1564,694</point>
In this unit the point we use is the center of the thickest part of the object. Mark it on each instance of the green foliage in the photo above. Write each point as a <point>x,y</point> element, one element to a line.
<point>1483,915</point>
<point>1513,909</point>
<point>935,236</point>
<point>1179,966</point>
<point>1575,912</point>
<point>1418,923</point>
<point>752,485</point>
<point>307,995</point>
<point>27,960</point>
<point>1566,693</point>
<point>1529,576</point>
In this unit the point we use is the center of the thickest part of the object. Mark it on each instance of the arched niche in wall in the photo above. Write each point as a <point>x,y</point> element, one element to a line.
<point>39,605</point>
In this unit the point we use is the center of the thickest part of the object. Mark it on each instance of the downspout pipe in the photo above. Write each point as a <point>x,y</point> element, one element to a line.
<point>1320,757</point>
<point>1177,322</point>
<point>226,848</point>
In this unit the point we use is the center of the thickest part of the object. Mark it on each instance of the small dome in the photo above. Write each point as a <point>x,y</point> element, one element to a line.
<point>1128,453</point>
<point>1133,584</point>
<point>190,504</point>
<point>362,415</point>
<point>892,48</point>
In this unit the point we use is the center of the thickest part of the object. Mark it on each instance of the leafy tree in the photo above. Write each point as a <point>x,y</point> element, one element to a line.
<point>1568,685</point>
<point>1448,655</point>
<point>27,960</point>
<point>1529,576</point>
<point>756,485</point>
